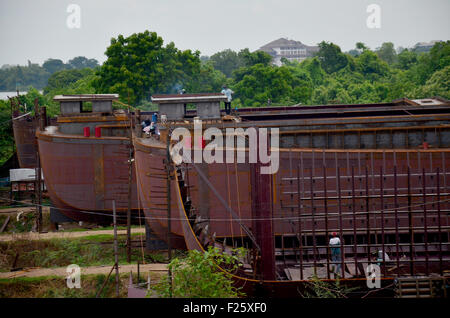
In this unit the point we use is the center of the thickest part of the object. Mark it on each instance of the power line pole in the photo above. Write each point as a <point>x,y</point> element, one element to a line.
<point>169,212</point>
<point>38,174</point>
<point>116,254</point>
<point>130,174</point>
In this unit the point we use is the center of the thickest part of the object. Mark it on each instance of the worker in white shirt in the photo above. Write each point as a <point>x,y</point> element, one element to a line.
<point>228,92</point>
<point>335,244</point>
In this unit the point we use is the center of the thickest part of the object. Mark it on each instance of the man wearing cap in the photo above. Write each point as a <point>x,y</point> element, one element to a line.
<point>335,244</point>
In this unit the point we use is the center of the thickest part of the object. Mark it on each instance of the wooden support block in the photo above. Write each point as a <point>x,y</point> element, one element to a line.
<point>5,224</point>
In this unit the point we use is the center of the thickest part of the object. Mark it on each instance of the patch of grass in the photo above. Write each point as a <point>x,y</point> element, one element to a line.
<point>85,251</point>
<point>55,287</point>
<point>25,222</point>
<point>156,257</point>
<point>101,228</point>
<point>99,238</point>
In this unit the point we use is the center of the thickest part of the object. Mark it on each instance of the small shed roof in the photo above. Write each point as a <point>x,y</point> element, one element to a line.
<point>188,98</point>
<point>85,97</point>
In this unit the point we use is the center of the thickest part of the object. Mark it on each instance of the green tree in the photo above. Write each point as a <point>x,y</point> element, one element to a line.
<point>316,72</point>
<point>6,134</point>
<point>208,80</point>
<point>81,62</point>
<point>198,276</point>
<point>21,77</point>
<point>387,53</point>
<point>428,63</point>
<point>62,79</point>
<point>139,66</point>
<point>54,65</point>
<point>252,58</point>
<point>286,84</point>
<point>331,57</point>
<point>371,66</point>
<point>226,61</point>
<point>406,59</point>
<point>437,85</point>
<point>83,85</point>
<point>359,47</point>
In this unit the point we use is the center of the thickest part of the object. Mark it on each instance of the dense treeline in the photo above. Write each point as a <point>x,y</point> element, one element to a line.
<point>141,65</point>
<point>34,75</point>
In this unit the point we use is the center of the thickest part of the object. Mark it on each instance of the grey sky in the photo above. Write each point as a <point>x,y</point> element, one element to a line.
<point>36,29</point>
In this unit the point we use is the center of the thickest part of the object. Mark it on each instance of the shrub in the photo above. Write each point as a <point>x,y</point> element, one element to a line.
<point>198,276</point>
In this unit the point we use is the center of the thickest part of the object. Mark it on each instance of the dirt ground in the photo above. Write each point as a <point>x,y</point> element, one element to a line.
<point>61,271</point>
<point>23,209</point>
<point>62,235</point>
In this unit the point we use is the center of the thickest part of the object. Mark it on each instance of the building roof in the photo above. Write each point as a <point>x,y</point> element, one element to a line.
<point>284,43</point>
<point>85,97</point>
<point>422,44</point>
<point>188,98</point>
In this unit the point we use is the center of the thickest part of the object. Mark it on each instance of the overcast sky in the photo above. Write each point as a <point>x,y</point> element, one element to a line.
<point>37,29</point>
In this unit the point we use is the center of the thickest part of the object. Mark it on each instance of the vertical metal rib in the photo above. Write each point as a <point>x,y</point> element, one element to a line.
<point>438,188</point>
<point>325,205</point>
<point>300,236</point>
<point>368,214</point>
<point>425,225</point>
<point>355,251</point>
<point>313,219</point>
<point>341,233</point>
<point>410,222</point>
<point>397,239</point>
<point>382,218</point>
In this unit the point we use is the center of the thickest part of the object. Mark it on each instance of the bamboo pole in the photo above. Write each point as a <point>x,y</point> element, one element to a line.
<point>116,254</point>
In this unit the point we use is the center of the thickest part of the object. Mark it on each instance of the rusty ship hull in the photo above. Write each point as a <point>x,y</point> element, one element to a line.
<point>377,175</point>
<point>151,180</point>
<point>24,129</point>
<point>85,175</point>
<point>85,156</point>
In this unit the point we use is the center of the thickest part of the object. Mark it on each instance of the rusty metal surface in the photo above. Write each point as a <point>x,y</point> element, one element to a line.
<point>380,182</point>
<point>24,129</point>
<point>257,287</point>
<point>87,175</point>
<point>274,110</point>
<point>152,186</point>
<point>262,212</point>
<point>388,229</point>
<point>377,201</point>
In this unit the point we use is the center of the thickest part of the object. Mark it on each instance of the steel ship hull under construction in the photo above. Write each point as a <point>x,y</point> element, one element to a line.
<point>24,129</point>
<point>85,173</point>
<point>377,175</point>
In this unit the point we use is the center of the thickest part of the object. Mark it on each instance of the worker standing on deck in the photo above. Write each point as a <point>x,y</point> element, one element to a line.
<point>155,117</point>
<point>228,92</point>
<point>335,244</point>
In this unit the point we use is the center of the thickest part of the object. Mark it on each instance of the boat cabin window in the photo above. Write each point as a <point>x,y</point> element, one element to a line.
<point>78,107</point>
<point>86,107</point>
<point>86,103</point>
